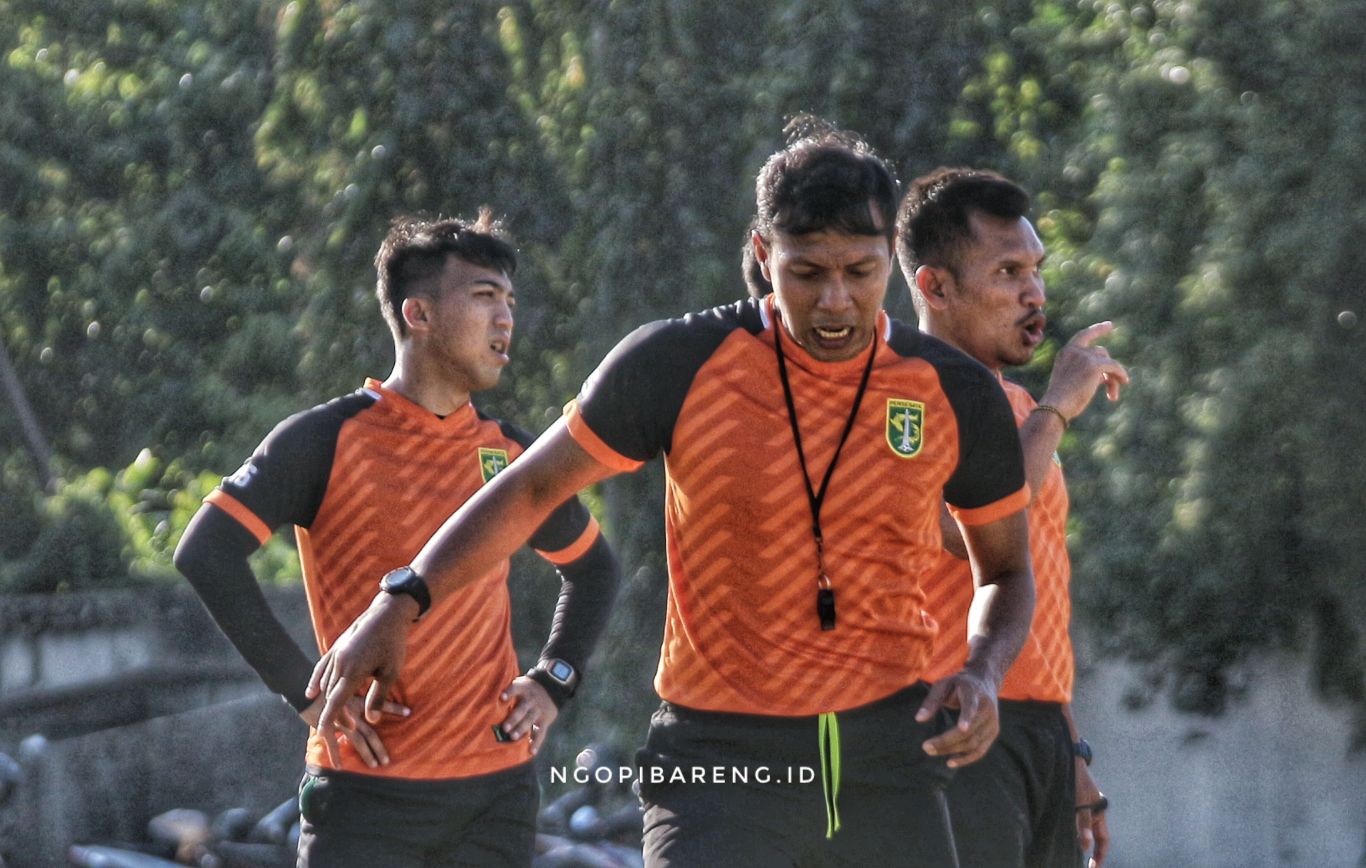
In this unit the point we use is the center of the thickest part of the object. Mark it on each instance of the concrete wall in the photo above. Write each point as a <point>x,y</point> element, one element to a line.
<point>53,641</point>
<point>1271,783</point>
<point>106,785</point>
<point>122,705</point>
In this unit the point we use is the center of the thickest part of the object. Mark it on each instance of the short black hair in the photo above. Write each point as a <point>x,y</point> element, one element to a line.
<point>932,224</point>
<point>825,178</point>
<point>416,249</point>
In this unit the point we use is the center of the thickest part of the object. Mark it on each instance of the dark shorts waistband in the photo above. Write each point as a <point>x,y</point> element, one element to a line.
<point>426,786</point>
<point>911,695</point>
<point>1029,707</point>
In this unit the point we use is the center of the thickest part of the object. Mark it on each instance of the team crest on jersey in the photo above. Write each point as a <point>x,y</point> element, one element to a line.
<point>492,462</point>
<point>905,426</point>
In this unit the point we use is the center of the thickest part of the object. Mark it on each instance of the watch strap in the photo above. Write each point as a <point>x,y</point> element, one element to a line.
<point>405,580</point>
<point>558,689</point>
<point>1081,749</point>
<point>558,693</point>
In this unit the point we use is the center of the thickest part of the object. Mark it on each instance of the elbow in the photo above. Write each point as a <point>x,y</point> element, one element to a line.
<point>954,545</point>
<point>611,576</point>
<point>1024,583</point>
<point>211,543</point>
<point>185,556</point>
<point>190,557</point>
<point>601,567</point>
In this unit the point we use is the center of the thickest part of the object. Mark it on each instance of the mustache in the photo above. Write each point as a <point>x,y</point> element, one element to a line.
<point>1035,314</point>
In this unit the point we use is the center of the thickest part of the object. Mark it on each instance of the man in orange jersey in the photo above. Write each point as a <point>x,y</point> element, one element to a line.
<point>809,442</point>
<point>366,479</point>
<point>973,261</point>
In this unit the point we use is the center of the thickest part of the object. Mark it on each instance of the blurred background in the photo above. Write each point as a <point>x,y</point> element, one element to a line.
<point>191,196</point>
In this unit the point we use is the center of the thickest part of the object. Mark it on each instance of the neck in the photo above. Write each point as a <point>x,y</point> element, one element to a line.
<point>930,325</point>
<point>423,386</point>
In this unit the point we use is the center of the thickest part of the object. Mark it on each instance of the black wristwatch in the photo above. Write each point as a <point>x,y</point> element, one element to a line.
<point>1081,749</point>
<point>559,678</point>
<point>405,580</point>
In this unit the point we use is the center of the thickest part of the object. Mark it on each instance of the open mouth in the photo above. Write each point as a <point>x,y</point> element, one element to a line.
<point>499,346</point>
<point>1033,326</point>
<point>833,334</point>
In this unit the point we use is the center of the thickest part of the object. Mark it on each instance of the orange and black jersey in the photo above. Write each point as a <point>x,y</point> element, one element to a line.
<point>1044,668</point>
<point>742,632</point>
<point>366,479</point>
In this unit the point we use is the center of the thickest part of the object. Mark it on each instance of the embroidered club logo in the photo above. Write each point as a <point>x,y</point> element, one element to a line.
<point>905,426</point>
<point>492,462</point>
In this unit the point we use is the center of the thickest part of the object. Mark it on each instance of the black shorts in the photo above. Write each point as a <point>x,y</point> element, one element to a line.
<point>368,820</point>
<point>737,789</point>
<point>1015,806</point>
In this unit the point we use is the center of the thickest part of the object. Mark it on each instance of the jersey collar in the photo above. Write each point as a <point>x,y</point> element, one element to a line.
<point>411,411</point>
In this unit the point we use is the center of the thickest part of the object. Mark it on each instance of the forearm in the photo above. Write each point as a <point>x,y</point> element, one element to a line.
<point>212,555</point>
<point>483,533</point>
<point>951,534</point>
<point>1003,604</point>
<point>588,587</point>
<point>503,514</point>
<point>998,623</point>
<point>1040,436</point>
<point>1071,724</point>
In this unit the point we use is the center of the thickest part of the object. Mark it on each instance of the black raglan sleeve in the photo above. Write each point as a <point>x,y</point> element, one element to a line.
<point>990,461</point>
<point>283,482</point>
<point>632,401</point>
<point>589,577</point>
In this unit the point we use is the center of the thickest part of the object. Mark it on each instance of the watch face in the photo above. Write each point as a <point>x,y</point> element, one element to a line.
<point>395,580</point>
<point>560,670</point>
<point>405,580</point>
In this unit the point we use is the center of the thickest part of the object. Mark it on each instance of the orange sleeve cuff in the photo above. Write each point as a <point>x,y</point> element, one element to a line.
<point>594,445</point>
<point>577,548</point>
<point>993,511</point>
<point>245,517</point>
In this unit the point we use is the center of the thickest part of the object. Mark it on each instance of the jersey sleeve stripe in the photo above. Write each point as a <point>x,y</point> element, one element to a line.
<point>594,445</point>
<point>577,548</point>
<point>245,517</point>
<point>992,511</point>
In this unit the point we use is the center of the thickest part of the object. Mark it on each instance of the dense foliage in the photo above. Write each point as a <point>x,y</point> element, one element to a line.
<point>190,196</point>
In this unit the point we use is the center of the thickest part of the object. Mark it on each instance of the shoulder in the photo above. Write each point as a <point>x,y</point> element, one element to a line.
<point>321,423</point>
<point>670,351</point>
<point>632,400</point>
<point>956,368</point>
<point>698,330</point>
<point>509,431</point>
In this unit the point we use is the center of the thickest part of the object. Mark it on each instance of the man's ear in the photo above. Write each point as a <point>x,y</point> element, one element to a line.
<point>933,284</point>
<point>761,255</point>
<point>416,313</point>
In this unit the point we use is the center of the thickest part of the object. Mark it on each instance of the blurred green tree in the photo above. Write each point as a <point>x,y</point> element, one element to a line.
<point>1201,187</point>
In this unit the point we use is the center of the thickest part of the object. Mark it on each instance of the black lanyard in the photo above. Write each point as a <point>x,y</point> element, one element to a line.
<point>825,594</point>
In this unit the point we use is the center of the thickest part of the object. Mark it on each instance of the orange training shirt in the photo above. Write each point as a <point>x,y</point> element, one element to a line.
<point>1043,671</point>
<point>742,632</point>
<point>367,479</point>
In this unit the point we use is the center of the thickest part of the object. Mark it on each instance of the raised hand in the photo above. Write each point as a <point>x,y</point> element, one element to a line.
<point>1080,369</point>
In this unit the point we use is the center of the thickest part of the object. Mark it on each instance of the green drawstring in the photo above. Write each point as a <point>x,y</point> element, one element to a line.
<point>830,770</point>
